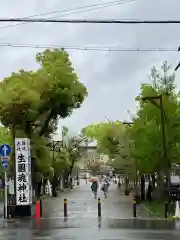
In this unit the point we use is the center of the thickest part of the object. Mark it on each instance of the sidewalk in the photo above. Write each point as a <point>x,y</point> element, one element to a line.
<point>127,202</point>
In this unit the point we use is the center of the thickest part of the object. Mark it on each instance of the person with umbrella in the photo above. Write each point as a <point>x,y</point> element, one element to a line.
<point>105,186</point>
<point>94,187</point>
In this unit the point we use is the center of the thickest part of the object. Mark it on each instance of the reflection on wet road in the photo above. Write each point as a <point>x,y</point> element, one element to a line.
<point>116,222</point>
<point>79,229</point>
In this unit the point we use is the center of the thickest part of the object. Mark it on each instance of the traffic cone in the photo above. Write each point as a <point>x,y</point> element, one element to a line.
<point>177,211</point>
<point>38,209</point>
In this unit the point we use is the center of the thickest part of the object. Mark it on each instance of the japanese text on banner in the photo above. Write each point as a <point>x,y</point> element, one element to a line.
<point>22,171</point>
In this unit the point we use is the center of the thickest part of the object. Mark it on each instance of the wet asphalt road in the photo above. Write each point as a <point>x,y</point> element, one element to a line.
<point>83,223</point>
<point>81,204</point>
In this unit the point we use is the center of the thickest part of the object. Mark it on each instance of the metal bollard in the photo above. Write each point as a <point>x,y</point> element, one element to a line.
<point>165,209</point>
<point>65,208</point>
<point>134,207</point>
<point>99,207</point>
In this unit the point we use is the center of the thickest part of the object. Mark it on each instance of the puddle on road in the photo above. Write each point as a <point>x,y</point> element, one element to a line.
<point>108,224</point>
<point>86,223</point>
<point>139,224</point>
<point>105,229</point>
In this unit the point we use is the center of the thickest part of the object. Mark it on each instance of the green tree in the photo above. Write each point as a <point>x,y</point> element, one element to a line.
<point>107,135</point>
<point>67,156</point>
<point>51,92</point>
<point>32,102</point>
<point>147,124</point>
<point>114,140</point>
<point>74,153</point>
<point>146,131</point>
<point>5,138</point>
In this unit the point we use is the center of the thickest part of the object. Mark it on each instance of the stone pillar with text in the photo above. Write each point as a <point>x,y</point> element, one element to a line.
<point>23,177</point>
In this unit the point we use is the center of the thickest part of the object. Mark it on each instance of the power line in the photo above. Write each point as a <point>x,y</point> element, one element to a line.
<point>82,9</point>
<point>95,8</point>
<point>87,48</point>
<point>96,21</point>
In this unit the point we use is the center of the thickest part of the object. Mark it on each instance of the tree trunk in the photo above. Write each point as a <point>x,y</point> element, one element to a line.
<point>71,167</point>
<point>37,187</point>
<point>126,186</point>
<point>168,184</point>
<point>149,190</point>
<point>70,173</point>
<point>65,180</point>
<point>142,188</point>
<point>55,183</point>
<point>153,181</point>
<point>160,187</point>
<point>44,186</point>
<point>46,123</point>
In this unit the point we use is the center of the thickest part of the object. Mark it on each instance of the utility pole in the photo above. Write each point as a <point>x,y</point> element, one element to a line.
<point>13,154</point>
<point>177,67</point>
<point>163,131</point>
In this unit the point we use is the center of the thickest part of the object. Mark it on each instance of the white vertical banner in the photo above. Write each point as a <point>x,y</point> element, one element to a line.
<point>23,171</point>
<point>29,169</point>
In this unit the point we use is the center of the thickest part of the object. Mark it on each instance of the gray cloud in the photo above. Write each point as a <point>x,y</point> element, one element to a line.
<point>112,78</point>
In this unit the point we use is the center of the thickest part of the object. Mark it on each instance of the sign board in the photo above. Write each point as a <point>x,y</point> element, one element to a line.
<point>4,162</point>
<point>11,186</point>
<point>5,151</point>
<point>23,171</point>
<point>29,168</point>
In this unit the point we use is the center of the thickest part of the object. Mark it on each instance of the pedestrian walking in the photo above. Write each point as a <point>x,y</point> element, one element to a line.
<point>105,186</point>
<point>94,188</point>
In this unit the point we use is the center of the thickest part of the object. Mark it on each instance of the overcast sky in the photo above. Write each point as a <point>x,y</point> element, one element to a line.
<point>112,78</point>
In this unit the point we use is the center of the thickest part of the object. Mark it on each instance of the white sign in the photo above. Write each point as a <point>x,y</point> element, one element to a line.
<point>23,171</point>
<point>29,168</point>
<point>11,186</point>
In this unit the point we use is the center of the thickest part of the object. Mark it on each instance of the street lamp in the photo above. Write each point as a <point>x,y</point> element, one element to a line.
<point>160,106</point>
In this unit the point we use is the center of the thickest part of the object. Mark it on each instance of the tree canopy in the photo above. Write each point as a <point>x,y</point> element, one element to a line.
<point>147,127</point>
<point>113,139</point>
<point>139,147</point>
<point>32,102</point>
